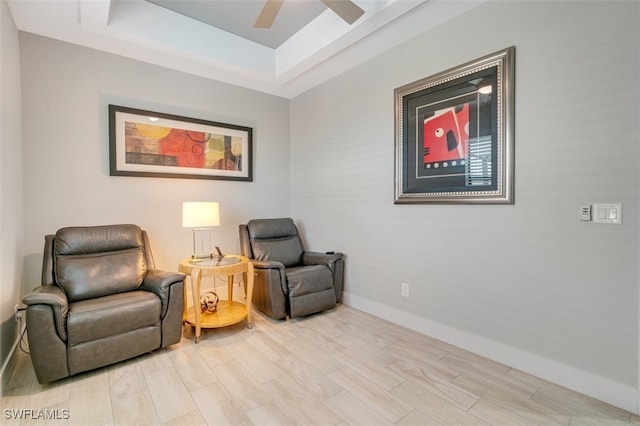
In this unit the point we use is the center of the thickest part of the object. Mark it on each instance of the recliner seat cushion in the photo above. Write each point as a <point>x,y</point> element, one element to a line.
<point>303,280</point>
<point>98,261</point>
<point>310,289</point>
<point>111,315</point>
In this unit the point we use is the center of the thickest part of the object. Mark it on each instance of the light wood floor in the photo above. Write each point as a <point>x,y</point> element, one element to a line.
<point>342,367</point>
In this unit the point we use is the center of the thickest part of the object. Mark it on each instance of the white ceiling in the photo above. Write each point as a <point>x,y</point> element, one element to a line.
<point>307,44</point>
<point>239,16</point>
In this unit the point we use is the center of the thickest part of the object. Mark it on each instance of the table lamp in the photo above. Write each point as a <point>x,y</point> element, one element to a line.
<point>201,216</point>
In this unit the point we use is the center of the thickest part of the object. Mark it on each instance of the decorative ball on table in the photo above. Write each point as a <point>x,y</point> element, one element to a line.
<point>209,302</point>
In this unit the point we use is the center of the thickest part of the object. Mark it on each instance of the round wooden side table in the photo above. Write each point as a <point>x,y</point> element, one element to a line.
<point>228,311</point>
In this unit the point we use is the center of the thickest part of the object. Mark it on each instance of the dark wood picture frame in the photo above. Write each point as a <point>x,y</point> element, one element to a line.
<point>153,144</point>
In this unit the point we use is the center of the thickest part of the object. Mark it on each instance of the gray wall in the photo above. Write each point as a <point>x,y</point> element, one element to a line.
<point>66,90</point>
<point>526,284</point>
<point>11,225</point>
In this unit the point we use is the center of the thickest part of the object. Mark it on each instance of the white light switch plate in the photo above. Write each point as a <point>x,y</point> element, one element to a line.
<point>607,213</point>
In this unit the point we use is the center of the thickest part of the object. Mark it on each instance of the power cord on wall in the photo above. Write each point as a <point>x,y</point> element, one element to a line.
<point>20,318</point>
<point>24,331</point>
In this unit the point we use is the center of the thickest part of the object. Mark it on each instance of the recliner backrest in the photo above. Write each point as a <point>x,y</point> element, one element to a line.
<point>275,239</point>
<point>99,260</point>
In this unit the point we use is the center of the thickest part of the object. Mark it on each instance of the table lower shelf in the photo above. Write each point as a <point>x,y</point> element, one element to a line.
<point>228,313</point>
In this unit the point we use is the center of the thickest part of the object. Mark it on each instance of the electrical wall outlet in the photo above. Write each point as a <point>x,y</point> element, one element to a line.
<point>18,312</point>
<point>404,290</point>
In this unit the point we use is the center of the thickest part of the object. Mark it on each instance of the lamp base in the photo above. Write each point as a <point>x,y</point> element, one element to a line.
<point>206,256</point>
<point>196,257</point>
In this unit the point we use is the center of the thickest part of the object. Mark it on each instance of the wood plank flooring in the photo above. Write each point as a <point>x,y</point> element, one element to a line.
<point>341,367</point>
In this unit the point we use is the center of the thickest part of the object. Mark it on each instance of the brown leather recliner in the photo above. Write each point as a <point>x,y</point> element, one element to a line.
<point>101,301</point>
<point>289,280</point>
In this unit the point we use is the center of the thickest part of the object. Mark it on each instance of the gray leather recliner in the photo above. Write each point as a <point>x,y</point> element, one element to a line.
<point>289,280</point>
<point>101,301</point>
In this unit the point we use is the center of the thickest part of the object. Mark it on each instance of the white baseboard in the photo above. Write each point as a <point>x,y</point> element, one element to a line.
<point>601,388</point>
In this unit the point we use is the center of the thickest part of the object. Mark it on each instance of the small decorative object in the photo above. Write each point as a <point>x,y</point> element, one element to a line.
<point>454,134</point>
<point>154,144</point>
<point>209,302</point>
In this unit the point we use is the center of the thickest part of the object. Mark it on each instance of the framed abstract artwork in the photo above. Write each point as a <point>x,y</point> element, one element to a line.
<point>153,144</point>
<point>454,134</point>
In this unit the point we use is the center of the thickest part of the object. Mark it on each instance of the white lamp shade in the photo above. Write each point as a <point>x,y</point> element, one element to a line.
<point>200,214</point>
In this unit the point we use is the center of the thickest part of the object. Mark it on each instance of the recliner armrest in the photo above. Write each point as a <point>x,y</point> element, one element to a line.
<point>267,264</point>
<point>271,266</point>
<point>159,282</point>
<point>55,297</point>
<point>317,258</point>
<point>334,261</point>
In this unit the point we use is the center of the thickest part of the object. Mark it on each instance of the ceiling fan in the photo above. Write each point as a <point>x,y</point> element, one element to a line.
<point>345,9</point>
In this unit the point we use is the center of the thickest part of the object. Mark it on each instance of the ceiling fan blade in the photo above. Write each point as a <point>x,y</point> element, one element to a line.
<point>268,14</point>
<point>346,9</point>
